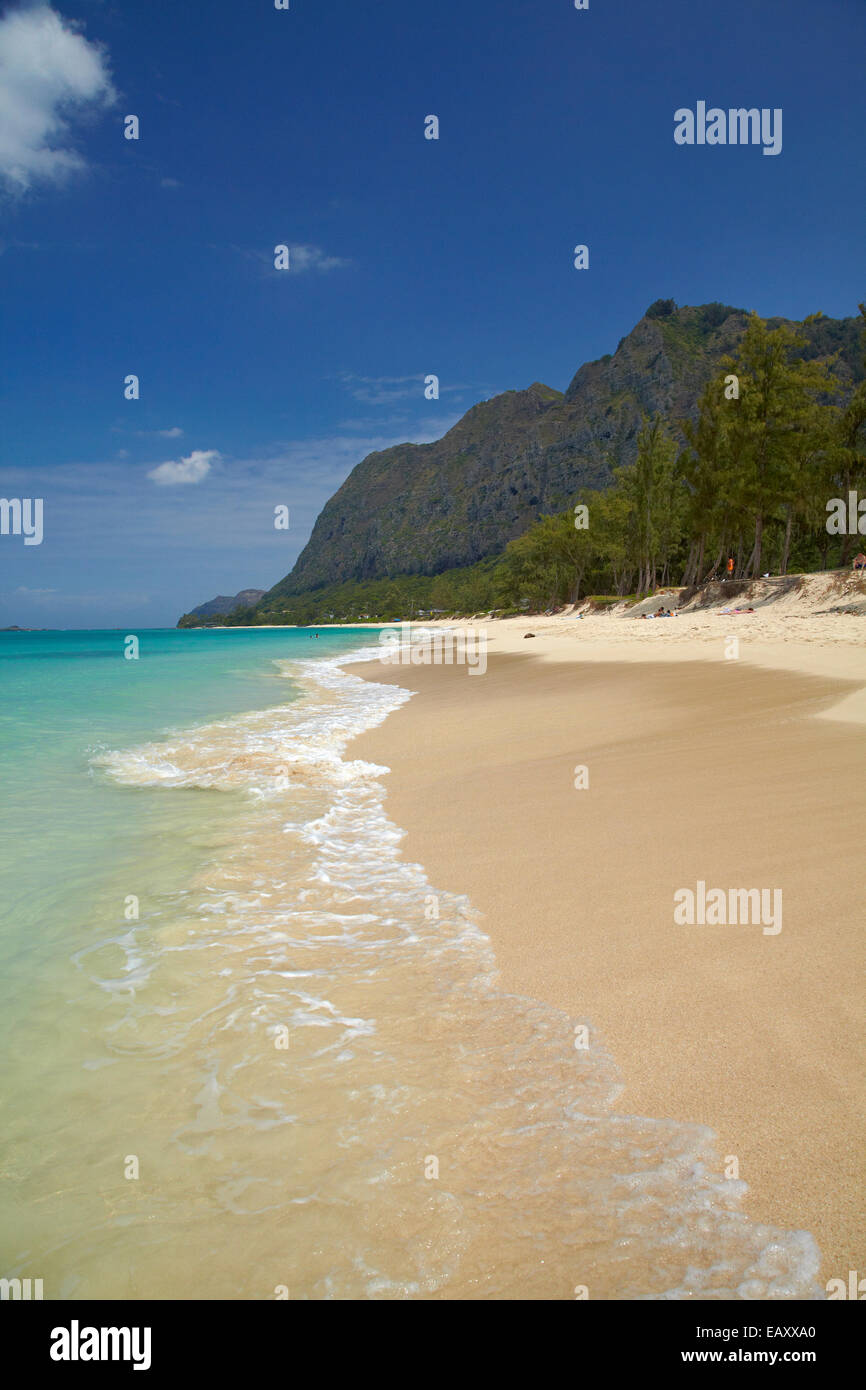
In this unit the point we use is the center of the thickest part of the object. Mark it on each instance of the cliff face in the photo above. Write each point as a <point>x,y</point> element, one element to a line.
<point>423,508</point>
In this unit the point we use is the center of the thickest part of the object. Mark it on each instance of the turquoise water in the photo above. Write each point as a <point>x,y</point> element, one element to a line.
<point>75,845</point>
<point>68,836</point>
<point>251,1052</point>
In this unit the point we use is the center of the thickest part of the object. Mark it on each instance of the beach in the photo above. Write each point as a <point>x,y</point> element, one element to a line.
<point>352,978</point>
<point>597,769</point>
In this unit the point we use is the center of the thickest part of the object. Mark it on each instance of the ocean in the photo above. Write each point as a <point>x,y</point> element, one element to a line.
<point>250,1052</point>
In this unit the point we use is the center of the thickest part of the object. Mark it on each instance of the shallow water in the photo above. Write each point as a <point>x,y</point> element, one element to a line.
<point>299,1045</point>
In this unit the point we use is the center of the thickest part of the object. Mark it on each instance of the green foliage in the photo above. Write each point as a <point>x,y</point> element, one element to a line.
<point>409,596</point>
<point>752,482</point>
<point>661,309</point>
<point>656,504</point>
<point>545,565</point>
<point>635,531</point>
<point>779,441</point>
<point>713,315</point>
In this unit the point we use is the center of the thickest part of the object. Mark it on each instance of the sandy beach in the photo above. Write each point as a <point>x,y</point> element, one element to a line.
<point>738,772</point>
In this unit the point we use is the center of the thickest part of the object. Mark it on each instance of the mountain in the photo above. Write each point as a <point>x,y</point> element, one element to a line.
<point>425,508</point>
<point>221,606</point>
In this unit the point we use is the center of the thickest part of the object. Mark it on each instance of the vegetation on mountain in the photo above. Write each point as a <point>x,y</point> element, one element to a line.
<point>735,452</point>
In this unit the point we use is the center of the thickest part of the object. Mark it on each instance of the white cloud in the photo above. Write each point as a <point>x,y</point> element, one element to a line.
<point>191,469</point>
<point>303,258</point>
<point>174,433</point>
<point>49,74</point>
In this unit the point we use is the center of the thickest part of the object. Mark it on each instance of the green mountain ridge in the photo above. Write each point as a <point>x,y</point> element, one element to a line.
<point>425,508</point>
<point>416,512</point>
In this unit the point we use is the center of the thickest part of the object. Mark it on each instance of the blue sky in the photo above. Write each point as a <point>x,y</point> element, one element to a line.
<point>305,127</point>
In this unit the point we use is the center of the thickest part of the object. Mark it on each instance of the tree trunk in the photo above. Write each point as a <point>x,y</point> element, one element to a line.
<point>691,566</point>
<point>759,541</point>
<point>786,548</point>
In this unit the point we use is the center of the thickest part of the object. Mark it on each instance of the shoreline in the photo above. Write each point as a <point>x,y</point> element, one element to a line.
<point>737,773</point>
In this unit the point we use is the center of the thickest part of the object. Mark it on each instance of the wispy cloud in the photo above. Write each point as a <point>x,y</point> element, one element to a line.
<point>191,469</point>
<point>174,432</point>
<point>15,245</point>
<point>385,390</point>
<point>302,259</point>
<point>50,75</point>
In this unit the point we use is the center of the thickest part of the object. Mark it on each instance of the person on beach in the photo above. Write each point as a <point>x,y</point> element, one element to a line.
<point>860,561</point>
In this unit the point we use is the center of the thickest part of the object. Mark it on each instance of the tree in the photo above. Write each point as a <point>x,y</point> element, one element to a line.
<point>706,466</point>
<point>653,489</point>
<point>849,452</point>
<point>547,563</point>
<point>773,423</point>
